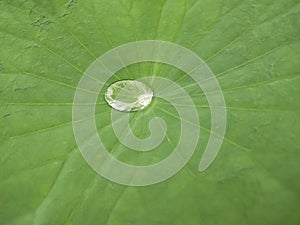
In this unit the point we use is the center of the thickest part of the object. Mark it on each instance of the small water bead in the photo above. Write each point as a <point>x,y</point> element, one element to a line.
<point>128,95</point>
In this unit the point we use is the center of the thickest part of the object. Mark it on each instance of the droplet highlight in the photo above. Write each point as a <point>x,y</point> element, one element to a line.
<point>128,95</point>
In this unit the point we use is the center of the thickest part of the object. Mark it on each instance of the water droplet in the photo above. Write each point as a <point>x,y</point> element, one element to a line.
<point>128,95</point>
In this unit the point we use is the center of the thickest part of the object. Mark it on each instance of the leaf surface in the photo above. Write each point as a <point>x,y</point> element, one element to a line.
<point>253,49</point>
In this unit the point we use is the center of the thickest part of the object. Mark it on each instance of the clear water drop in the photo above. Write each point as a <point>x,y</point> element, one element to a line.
<point>128,95</point>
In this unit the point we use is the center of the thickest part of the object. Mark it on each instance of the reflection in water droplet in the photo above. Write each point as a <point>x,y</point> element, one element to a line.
<point>128,95</point>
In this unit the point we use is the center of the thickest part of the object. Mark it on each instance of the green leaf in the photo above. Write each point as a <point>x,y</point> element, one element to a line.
<point>253,49</point>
